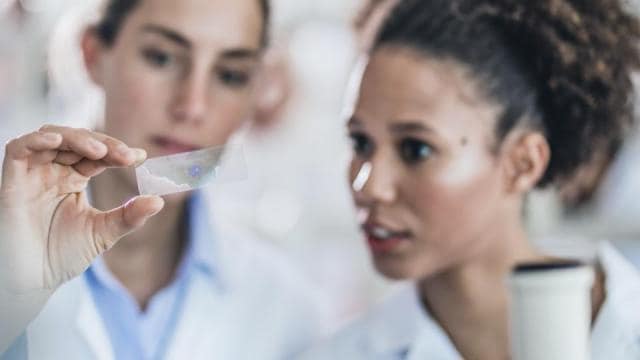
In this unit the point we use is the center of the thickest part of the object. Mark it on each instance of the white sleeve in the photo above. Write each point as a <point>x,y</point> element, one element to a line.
<point>16,312</point>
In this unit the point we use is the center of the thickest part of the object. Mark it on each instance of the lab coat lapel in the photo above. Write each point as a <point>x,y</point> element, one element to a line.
<point>404,327</point>
<point>91,328</point>
<point>195,329</point>
<point>616,332</point>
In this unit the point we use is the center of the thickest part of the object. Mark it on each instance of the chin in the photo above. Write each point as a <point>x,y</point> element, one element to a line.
<point>406,268</point>
<point>397,269</point>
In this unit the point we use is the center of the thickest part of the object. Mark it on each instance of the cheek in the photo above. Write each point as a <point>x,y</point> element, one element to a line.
<point>135,102</point>
<point>453,206</point>
<point>227,112</point>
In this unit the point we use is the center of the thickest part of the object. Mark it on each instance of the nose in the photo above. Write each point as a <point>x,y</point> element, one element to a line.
<point>190,101</point>
<point>374,184</point>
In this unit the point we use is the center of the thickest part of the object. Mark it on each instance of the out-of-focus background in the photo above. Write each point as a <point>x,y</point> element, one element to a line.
<point>296,195</point>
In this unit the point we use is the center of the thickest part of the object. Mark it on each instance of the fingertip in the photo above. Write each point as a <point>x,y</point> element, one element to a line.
<point>158,203</point>
<point>153,204</point>
<point>99,148</point>
<point>140,156</point>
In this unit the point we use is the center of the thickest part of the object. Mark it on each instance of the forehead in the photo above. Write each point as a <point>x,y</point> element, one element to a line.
<point>403,84</point>
<point>226,23</point>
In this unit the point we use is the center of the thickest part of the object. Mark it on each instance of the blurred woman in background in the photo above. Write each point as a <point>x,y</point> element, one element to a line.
<point>464,108</point>
<point>177,76</point>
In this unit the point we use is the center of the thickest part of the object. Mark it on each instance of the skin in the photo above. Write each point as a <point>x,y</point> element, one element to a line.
<point>439,182</point>
<point>173,83</point>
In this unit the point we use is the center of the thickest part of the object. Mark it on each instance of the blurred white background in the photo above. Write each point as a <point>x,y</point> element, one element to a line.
<point>297,195</point>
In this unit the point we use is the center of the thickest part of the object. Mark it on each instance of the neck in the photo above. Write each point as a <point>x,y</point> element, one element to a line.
<point>145,261</point>
<point>471,300</point>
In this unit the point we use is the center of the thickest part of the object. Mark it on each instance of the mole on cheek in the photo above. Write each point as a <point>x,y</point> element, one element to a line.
<point>464,141</point>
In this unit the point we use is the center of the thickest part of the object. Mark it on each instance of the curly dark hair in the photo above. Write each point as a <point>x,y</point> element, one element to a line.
<point>559,66</point>
<point>116,12</point>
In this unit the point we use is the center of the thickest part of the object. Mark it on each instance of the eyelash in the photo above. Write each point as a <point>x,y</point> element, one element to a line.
<point>161,59</point>
<point>362,146</point>
<point>412,151</point>
<point>157,58</point>
<point>233,78</point>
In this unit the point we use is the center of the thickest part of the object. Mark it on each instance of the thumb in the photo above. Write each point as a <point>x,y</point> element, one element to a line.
<point>112,225</point>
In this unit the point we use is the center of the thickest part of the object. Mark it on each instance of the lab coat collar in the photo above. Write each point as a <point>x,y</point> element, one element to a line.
<point>89,325</point>
<point>187,342</point>
<point>616,331</point>
<point>203,253</point>
<point>205,247</point>
<point>403,324</point>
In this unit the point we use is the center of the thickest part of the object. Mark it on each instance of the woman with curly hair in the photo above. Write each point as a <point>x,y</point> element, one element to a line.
<point>466,106</point>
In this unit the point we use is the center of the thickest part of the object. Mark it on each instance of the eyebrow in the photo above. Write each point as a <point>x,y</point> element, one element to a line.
<point>399,127</point>
<point>409,126</point>
<point>240,54</point>
<point>168,34</point>
<point>181,40</point>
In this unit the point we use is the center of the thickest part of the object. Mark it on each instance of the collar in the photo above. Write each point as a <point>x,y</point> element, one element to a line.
<point>402,326</point>
<point>617,327</point>
<point>201,251</point>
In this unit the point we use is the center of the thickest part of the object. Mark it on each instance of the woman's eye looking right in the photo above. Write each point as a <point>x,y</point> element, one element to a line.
<point>414,151</point>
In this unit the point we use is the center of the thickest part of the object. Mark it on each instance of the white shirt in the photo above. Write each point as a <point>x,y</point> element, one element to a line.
<point>401,329</point>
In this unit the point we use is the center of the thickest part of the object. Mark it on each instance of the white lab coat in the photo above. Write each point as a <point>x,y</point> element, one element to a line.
<point>401,329</point>
<point>263,310</point>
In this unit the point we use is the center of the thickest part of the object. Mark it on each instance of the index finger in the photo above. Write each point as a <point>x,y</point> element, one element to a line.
<point>77,140</point>
<point>18,151</point>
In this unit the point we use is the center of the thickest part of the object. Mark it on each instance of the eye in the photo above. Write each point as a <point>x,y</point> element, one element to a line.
<point>157,58</point>
<point>413,151</point>
<point>233,78</point>
<point>362,146</point>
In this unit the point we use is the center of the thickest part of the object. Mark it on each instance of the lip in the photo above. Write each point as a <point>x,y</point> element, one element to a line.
<point>396,242</point>
<point>168,145</point>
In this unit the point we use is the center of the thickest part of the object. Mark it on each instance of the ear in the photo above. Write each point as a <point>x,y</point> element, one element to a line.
<point>525,157</point>
<point>92,52</point>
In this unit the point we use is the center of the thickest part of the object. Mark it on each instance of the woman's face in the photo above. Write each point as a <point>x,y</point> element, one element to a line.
<point>179,76</point>
<point>435,190</point>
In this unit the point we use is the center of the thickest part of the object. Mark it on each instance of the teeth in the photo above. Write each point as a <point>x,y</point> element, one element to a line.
<point>381,233</point>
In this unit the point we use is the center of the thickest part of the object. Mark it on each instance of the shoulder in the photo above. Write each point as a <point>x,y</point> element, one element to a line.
<point>264,267</point>
<point>46,337</point>
<point>64,303</point>
<point>616,332</point>
<point>391,327</point>
<point>275,292</point>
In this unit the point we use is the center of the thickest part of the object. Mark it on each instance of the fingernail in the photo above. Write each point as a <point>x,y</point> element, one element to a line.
<point>141,156</point>
<point>123,150</point>
<point>52,137</point>
<point>97,145</point>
